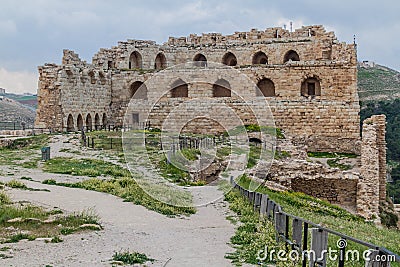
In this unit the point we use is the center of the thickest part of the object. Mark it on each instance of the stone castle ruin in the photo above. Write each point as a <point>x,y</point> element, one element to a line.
<point>307,76</point>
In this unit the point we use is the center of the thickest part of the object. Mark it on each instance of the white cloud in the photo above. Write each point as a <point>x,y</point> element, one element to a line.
<point>18,82</point>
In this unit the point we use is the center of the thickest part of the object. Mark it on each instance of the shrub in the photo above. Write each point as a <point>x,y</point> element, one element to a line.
<point>131,257</point>
<point>16,184</point>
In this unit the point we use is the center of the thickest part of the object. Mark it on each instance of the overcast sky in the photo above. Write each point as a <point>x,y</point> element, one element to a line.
<point>33,32</point>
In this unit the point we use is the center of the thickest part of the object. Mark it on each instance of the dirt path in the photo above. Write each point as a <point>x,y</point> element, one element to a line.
<point>199,240</point>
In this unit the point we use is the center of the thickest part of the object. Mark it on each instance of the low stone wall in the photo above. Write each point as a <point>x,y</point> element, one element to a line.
<point>318,143</point>
<point>24,132</point>
<point>16,132</point>
<point>342,192</point>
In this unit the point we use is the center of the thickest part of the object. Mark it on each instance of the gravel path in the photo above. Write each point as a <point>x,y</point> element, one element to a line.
<point>199,240</point>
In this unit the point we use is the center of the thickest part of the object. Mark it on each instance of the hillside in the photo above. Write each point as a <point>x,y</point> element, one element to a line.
<point>11,110</point>
<point>29,101</point>
<point>378,83</point>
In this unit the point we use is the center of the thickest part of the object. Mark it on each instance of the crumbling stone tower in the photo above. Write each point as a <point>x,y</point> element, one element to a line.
<point>308,78</point>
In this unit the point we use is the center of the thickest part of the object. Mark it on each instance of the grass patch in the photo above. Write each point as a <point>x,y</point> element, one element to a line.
<point>333,217</point>
<point>282,154</point>
<point>330,155</point>
<point>223,152</point>
<point>173,173</point>
<point>16,184</point>
<point>33,142</point>
<point>4,198</point>
<point>20,185</point>
<point>18,237</point>
<point>334,163</point>
<point>56,239</point>
<point>32,222</point>
<point>23,148</point>
<point>84,167</point>
<point>30,164</point>
<point>253,234</point>
<point>128,189</point>
<point>131,257</point>
<point>254,156</point>
<point>190,154</point>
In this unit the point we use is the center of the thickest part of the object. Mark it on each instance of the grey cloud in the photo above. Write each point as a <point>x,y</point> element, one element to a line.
<point>35,32</point>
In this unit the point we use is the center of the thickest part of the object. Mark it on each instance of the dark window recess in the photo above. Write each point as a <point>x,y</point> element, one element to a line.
<point>135,117</point>
<point>311,88</point>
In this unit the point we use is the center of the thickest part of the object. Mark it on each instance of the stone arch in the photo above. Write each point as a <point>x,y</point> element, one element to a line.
<point>92,77</point>
<point>97,121</point>
<point>222,88</point>
<point>79,122</point>
<point>255,140</point>
<point>161,61</point>
<point>260,58</point>
<point>88,122</point>
<point>70,74</point>
<point>200,60</point>
<point>138,90</point>
<point>311,87</point>
<point>229,59</point>
<point>102,77</point>
<point>266,88</point>
<point>104,120</point>
<point>135,60</point>
<point>179,88</point>
<point>70,123</point>
<point>291,55</point>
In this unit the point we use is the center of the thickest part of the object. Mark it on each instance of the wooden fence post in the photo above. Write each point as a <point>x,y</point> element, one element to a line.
<point>371,260</point>
<point>319,246</point>
<point>280,225</point>
<point>297,231</point>
<point>263,204</point>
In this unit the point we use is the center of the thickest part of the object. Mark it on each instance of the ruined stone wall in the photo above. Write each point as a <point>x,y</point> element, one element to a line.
<point>372,185</point>
<point>328,121</point>
<point>314,179</point>
<point>49,112</point>
<point>74,89</point>
<point>341,192</point>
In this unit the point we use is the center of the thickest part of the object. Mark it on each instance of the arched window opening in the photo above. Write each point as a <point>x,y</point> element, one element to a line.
<point>311,87</point>
<point>109,64</point>
<point>200,60</point>
<point>104,120</point>
<point>179,89</point>
<point>88,122</point>
<point>266,88</point>
<point>97,125</point>
<point>135,60</point>
<point>70,123</point>
<point>222,88</point>
<point>260,58</point>
<point>79,122</point>
<point>255,140</point>
<point>229,59</point>
<point>291,56</point>
<point>138,90</point>
<point>102,78</point>
<point>161,61</point>
<point>92,77</point>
